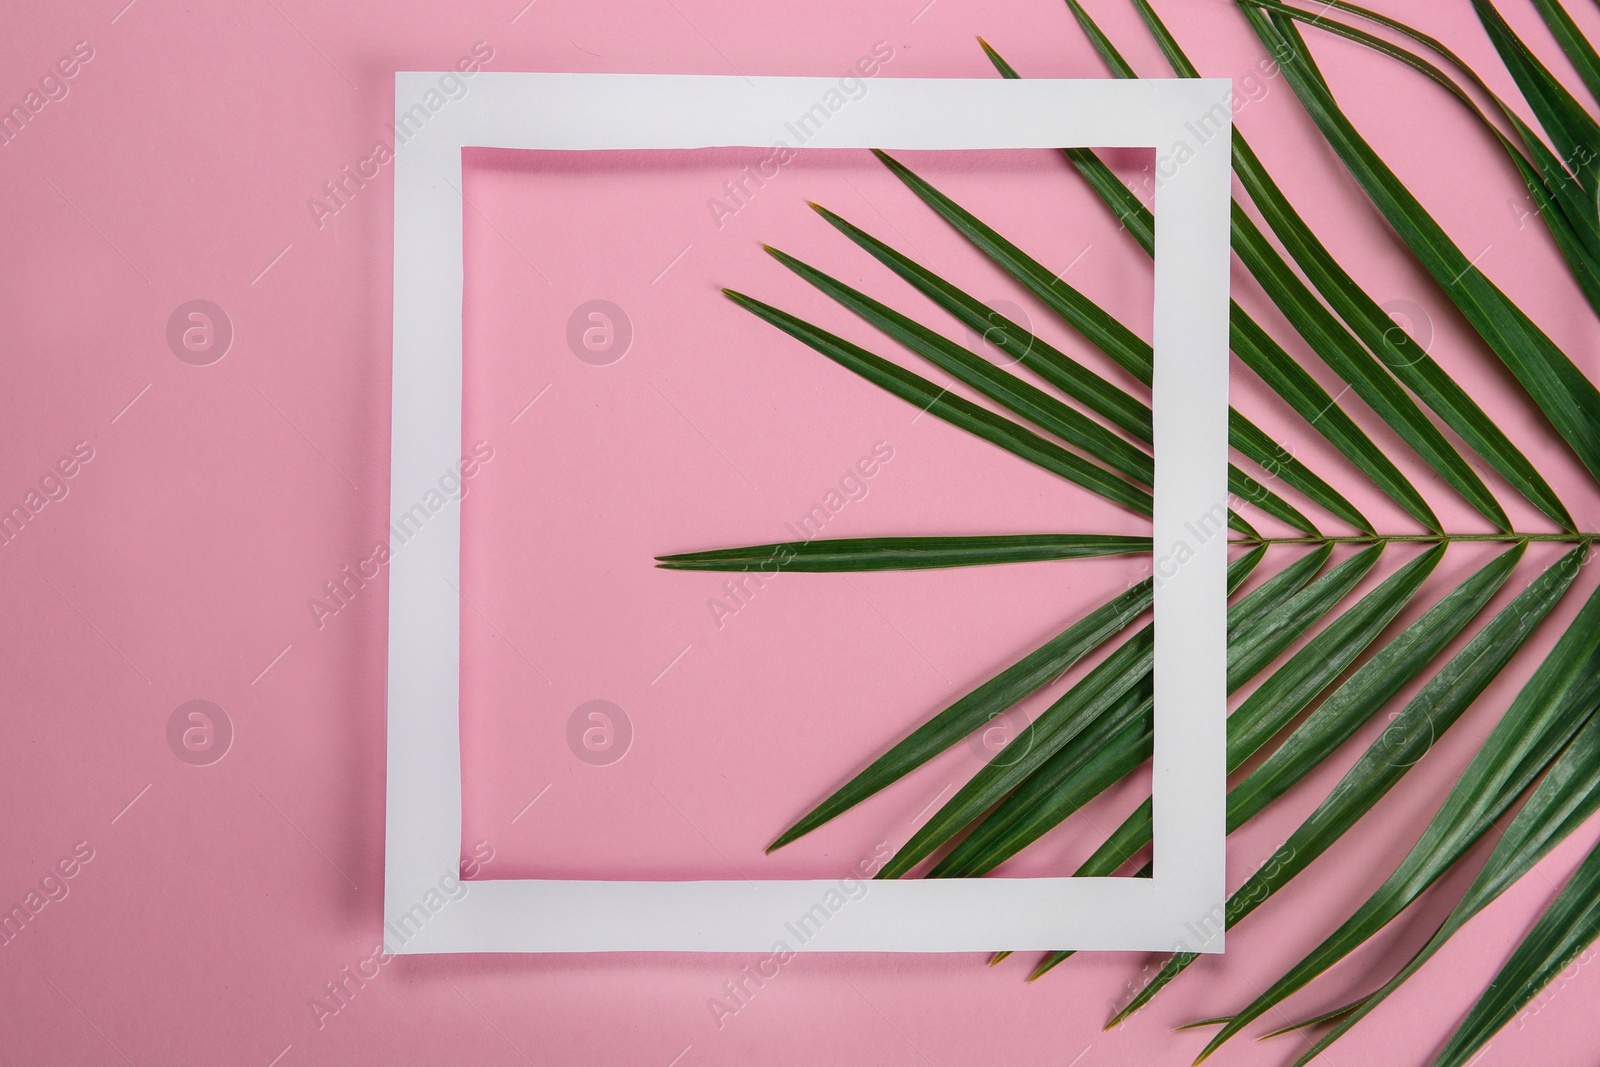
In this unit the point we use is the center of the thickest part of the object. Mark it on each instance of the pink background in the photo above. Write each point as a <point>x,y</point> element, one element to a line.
<point>180,563</point>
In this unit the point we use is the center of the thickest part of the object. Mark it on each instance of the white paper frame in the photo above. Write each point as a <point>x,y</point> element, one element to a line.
<point>1188,123</point>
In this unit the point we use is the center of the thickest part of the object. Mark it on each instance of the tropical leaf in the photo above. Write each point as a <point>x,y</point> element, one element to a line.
<point>1561,935</point>
<point>1037,669</point>
<point>1250,343</point>
<point>1354,702</point>
<point>1287,692</point>
<point>1115,688</point>
<point>1304,706</point>
<point>1531,733</point>
<point>1368,690</point>
<point>1573,133</point>
<point>1130,211</point>
<point>1276,591</point>
<point>1369,323</point>
<point>1059,788</point>
<point>1005,389</point>
<point>1565,798</point>
<point>1418,370</point>
<point>905,553</point>
<point>1412,733</point>
<point>1361,371</point>
<point>1057,368</point>
<point>1084,768</point>
<point>1572,217</point>
<point>1267,621</point>
<point>1577,47</point>
<point>937,401</point>
<point>1566,397</point>
<point>1068,375</point>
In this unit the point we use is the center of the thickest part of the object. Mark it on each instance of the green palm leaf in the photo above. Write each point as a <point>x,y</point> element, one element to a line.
<point>1050,744</point>
<point>1420,373</point>
<point>1275,591</point>
<point>939,402</point>
<point>1055,791</point>
<point>1250,343</point>
<point>1354,702</point>
<point>1072,378</point>
<point>968,714</point>
<point>1369,689</point>
<point>1433,710</point>
<point>1334,344</point>
<point>1565,798</point>
<point>1574,134</point>
<point>905,553</point>
<point>1577,47</point>
<point>1532,732</point>
<point>1116,688</point>
<point>1352,362</point>
<point>1006,390</point>
<point>1570,215</point>
<point>1091,763</point>
<point>1326,656</point>
<point>1565,396</point>
<point>1056,367</point>
<point>1100,728</point>
<point>1571,924</point>
<point>1265,638</point>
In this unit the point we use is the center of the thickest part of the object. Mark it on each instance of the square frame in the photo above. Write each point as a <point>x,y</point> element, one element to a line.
<point>1189,124</point>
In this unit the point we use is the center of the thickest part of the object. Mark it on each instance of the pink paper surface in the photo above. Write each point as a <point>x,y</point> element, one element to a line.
<point>209,504</point>
<point>743,701</point>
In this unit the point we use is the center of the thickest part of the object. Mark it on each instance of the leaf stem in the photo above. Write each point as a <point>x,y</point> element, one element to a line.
<point>1428,539</point>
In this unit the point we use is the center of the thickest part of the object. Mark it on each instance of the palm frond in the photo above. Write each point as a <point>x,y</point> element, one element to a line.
<point>1133,353</point>
<point>1571,216</point>
<point>941,403</point>
<point>1562,933</point>
<point>1095,392</point>
<point>1565,798</point>
<point>905,553</point>
<point>1355,701</point>
<point>1429,714</point>
<point>1566,397</point>
<point>1528,737</point>
<point>972,711</point>
<point>1579,51</point>
<point>1298,708</point>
